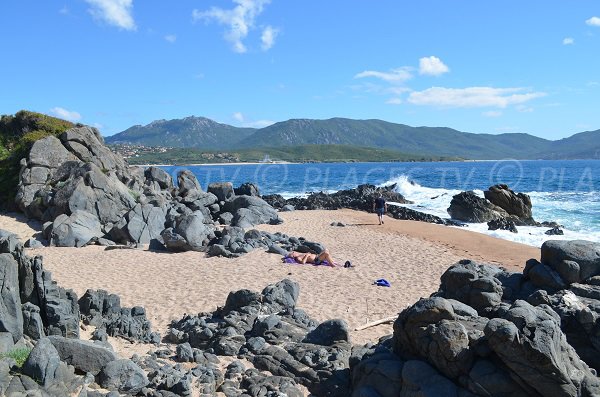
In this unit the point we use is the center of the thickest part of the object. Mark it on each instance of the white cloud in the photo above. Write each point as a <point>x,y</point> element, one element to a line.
<point>259,123</point>
<point>64,10</point>
<point>244,122</point>
<point>239,117</point>
<point>268,37</point>
<point>65,114</point>
<point>398,75</point>
<point>524,109</point>
<point>568,41</point>
<point>432,66</point>
<point>593,21</point>
<point>171,38</point>
<point>113,12</point>
<point>492,113</point>
<point>394,101</point>
<point>472,97</point>
<point>239,20</point>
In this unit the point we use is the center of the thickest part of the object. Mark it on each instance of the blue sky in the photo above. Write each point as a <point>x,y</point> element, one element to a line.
<point>477,66</point>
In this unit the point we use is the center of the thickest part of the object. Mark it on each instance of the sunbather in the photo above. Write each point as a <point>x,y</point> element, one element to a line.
<point>307,257</point>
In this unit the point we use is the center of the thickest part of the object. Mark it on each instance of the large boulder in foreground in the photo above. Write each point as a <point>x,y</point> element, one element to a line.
<point>75,230</point>
<point>574,261</point>
<point>469,207</point>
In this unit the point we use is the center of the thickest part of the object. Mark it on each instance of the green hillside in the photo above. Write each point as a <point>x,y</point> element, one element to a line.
<point>302,153</point>
<point>189,132</point>
<point>205,134</point>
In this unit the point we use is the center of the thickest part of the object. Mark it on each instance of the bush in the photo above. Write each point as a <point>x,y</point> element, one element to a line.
<point>17,135</point>
<point>19,355</point>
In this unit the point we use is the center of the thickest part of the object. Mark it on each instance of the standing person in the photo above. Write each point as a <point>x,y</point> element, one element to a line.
<point>380,206</point>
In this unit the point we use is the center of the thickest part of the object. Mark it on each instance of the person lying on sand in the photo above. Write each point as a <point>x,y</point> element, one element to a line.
<point>307,257</point>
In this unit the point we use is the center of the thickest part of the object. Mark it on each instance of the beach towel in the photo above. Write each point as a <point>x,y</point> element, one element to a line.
<point>287,259</point>
<point>382,282</point>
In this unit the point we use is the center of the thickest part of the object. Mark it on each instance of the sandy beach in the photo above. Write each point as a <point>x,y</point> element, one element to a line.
<point>410,255</point>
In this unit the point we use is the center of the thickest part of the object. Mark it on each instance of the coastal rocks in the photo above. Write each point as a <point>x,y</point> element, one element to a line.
<point>191,233</point>
<point>249,211</point>
<point>76,230</point>
<point>407,214</point>
<point>502,224</point>
<point>223,190</point>
<point>84,355</point>
<point>44,363</point>
<point>158,179</point>
<point>247,189</point>
<point>124,376</point>
<point>360,198</point>
<point>275,336</point>
<point>516,204</point>
<point>103,310</point>
<point>574,261</point>
<point>11,316</point>
<point>468,207</point>
<point>555,231</point>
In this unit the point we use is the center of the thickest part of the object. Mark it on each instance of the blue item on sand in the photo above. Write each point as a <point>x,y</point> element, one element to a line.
<point>382,282</point>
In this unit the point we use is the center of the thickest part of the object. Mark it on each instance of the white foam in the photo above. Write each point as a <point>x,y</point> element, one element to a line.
<point>578,212</point>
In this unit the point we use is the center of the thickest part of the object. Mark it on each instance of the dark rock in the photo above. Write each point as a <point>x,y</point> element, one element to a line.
<point>43,363</point>
<point>225,218</point>
<point>249,211</point>
<point>83,355</point>
<point>11,316</point>
<point>468,207</point>
<point>288,208</point>
<point>420,379</point>
<point>574,261</point>
<point>124,376</point>
<point>33,243</point>
<point>555,231</point>
<point>247,189</point>
<point>185,353</point>
<point>328,333</point>
<point>223,190</point>
<point>517,204</point>
<point>530,343</point>
<point>158,177</point>
<point>32,321</point>
<point>187,182</point>
<point>502,224</point>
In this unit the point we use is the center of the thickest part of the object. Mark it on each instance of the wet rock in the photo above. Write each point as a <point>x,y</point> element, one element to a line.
<point>502,224</point>
<point>468,207</point>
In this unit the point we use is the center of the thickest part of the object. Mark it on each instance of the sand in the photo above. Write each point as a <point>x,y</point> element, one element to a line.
<point>410,255</point>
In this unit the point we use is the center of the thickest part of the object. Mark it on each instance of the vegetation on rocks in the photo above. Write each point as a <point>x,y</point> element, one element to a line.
<point>17,135</point>
<point>19,355</point>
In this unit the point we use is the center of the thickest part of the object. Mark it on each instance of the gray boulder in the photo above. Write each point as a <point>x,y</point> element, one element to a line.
<point>84,355</point>
<point>32,321</point>
<point>187,182</point>
<point>249,211</point>
<point>124,376</point>
<point>574,261</point>
<point>11,316</point>
<point>517,204</point>
<point>145,222</point>
<point>223,190</point>
<point>530,343</point>
<point>328,333</point>
<point>247,189</point>
<point>195,231</point>
<point>76,230</point>
<point>468,207</point>
<point>158,178</point>
<point>43,363</point>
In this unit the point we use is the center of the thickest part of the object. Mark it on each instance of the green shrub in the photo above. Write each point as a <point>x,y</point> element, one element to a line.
<point>19,355</point>
<point>17,135</point>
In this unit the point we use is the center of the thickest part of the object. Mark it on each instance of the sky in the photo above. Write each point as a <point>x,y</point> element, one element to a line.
<point>477,66</point>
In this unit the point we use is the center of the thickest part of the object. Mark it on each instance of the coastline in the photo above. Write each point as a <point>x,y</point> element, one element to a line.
<point>410,255</point>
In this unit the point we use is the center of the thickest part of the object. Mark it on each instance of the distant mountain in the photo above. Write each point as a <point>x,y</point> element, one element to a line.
<point>190,132</point>
<point>205,134</point>
<point>585,145</point>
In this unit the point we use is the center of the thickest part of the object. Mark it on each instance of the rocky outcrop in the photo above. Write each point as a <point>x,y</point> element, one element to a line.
<point>86,194</point>
<point>516,204</point>
<point>489,332</point>
<point>268,330</point>
<point>502,224</point>
<point>469,207</point>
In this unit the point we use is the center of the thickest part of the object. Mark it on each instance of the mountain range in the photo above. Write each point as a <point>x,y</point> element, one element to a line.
<point>205,134</point>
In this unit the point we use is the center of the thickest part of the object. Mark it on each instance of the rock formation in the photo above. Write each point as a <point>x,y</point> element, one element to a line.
<point>86,194</point>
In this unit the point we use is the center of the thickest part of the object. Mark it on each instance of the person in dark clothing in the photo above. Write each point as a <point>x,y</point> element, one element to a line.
<point>380,207</point>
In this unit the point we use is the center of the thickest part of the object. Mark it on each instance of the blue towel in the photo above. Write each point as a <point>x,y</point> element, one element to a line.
<point>382,282</point>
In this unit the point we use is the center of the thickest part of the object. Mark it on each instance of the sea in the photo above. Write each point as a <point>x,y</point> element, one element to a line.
<point>567,192</point>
